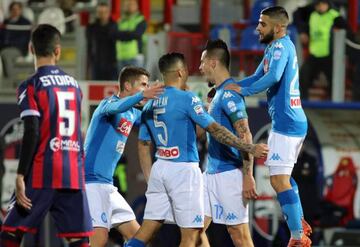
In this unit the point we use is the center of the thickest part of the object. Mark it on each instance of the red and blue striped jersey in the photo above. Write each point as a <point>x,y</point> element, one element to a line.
<point>55,98</point>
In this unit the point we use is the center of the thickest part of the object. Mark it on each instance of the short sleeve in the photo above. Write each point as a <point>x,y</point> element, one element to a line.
<point>144,133</point>
<point>195,109</point>
<point>234,105</point>
<point>26,100</point>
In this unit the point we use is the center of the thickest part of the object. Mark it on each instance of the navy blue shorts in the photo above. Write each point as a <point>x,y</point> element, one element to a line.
<point>69,209</point>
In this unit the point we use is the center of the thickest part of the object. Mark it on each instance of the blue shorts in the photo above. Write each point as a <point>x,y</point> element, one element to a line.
<point>69,209</point>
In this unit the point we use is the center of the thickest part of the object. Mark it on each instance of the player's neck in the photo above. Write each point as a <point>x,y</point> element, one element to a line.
<point>279,36</point>
<point>173,83</point>
<point>221,77</point>
<point>123,94</point>
<point>44,61</point>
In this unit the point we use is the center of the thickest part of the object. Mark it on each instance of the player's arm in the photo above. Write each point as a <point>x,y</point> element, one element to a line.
<point>144,148</point>
<point>224,136</point>
<point>259,72</point>
<point>111,106</point>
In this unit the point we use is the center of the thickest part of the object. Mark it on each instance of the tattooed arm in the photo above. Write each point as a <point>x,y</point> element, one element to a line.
<point>249,188</point>
<point>144,148</point>
<point>224,136</point>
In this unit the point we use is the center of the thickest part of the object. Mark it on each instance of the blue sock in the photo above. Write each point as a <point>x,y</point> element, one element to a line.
<point>296,190</point>
<point>135,243</point>
<point>289,203</point>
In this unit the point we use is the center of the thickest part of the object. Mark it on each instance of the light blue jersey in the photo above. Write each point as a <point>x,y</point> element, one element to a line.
<point>170,122</point>
<point>278,73</point>
<point>107,134</point>
<point>226,108</point>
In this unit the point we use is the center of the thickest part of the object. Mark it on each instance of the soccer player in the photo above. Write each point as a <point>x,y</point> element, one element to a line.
<point>175,184</point>
<point>278,74</point>
<point>228,179</point>
<point>50,175</point>
<point>105,141</point>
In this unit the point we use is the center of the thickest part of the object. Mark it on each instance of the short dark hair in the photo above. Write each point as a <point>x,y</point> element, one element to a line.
<point>278,13</point>
<point>130,74</point>
<point>44,39</point>
<point>218,49</point>
<point>167,61</point>
<point>12,4</point>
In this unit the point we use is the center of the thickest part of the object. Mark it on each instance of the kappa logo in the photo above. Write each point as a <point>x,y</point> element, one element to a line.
<point>275,156</point>
<point>231,216</point>
<point>227,95</point>
<point>278,45</point>
<point>195,100</point>
<point>198,219</point>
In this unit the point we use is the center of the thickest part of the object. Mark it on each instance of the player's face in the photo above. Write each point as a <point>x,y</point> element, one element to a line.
<point>265,29</point>
<point>140,84</point>
<point>206,67</point>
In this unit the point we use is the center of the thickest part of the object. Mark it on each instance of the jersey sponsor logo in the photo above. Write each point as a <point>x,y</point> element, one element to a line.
<point>277,55</point>
<point>22,96</point>
<point>276,157</point>
<point>266,65</point>
<point>295,102</point>
<point>278,45</point>
<point>231,217</point>
<point>120,146</point>
<point>124,127</point>
<point>168,152</point>
<point>199,109</point>
<point>57,144</point>
<point>198,219</point>
<point>195,100</point>
<point>58,80</point>
<point>232,106</point>
<point>227,95</point>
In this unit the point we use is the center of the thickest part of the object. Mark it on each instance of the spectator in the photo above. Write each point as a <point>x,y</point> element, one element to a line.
<point>16,36</point>
<point>320,25</point>
<point>130,36</point>
<point>101,46</point>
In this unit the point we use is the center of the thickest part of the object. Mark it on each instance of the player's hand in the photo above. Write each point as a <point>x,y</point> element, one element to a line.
<point>153,91</point>
<point>249,189</point>
<point>259,150</point>
<point>233,87</point>
<point>21,197</point>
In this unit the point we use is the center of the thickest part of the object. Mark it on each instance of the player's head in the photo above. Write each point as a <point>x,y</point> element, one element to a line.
<point>45,42</point>
<point>215,57</point>
<point>103,12</point>
<point>173,68</point>
<point>133,79</point>
<point>272,25</point>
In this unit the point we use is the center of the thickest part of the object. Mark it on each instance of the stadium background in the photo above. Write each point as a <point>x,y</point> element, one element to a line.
<point>333,141</point>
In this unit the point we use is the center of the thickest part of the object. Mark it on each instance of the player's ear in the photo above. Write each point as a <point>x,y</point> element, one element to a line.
<point>57,52</point>
<point>31,48</point>
<point>127,86</point>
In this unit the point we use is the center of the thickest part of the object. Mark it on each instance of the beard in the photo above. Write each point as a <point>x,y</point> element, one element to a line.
<point>267,38</point>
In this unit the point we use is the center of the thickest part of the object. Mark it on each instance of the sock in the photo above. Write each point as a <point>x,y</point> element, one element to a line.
<point>135,243</point>
<point>296,190</point>
<point>9,240</point>
<point>84,242</point>
<point>289,203</point>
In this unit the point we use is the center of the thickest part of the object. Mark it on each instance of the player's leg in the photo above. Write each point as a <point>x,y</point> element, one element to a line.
<point>128,229</point>
<point>18,220</point>
<point>281,158</point>
<point>189,237</point>
<point>157,207</point>
<point>71,215</point>
<point>100,237</point>
<point>240,235</point>
<point>203,239</point>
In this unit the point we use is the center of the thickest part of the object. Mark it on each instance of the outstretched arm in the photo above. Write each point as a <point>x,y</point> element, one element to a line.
<point>224,136</point>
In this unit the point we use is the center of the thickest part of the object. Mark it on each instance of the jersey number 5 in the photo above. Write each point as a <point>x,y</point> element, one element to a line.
<point>66,114</point>
<point>160,124</point>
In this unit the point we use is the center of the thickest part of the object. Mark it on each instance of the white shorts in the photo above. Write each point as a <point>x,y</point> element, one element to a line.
<point>175,192</point>
<point>223,198</point>
<point>283,154</point>
<point>107,207</point>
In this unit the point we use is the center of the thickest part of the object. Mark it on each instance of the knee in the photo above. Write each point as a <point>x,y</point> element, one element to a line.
<point>280,183</point>
<point>240,236</point>
<point>98,240</point>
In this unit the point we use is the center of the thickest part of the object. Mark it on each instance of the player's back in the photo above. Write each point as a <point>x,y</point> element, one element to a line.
<point>55,98</point>
<point>284,98</point>
<point>171,122</point>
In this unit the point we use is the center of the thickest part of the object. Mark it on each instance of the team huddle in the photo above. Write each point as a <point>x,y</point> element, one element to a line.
<point>73,180</point>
